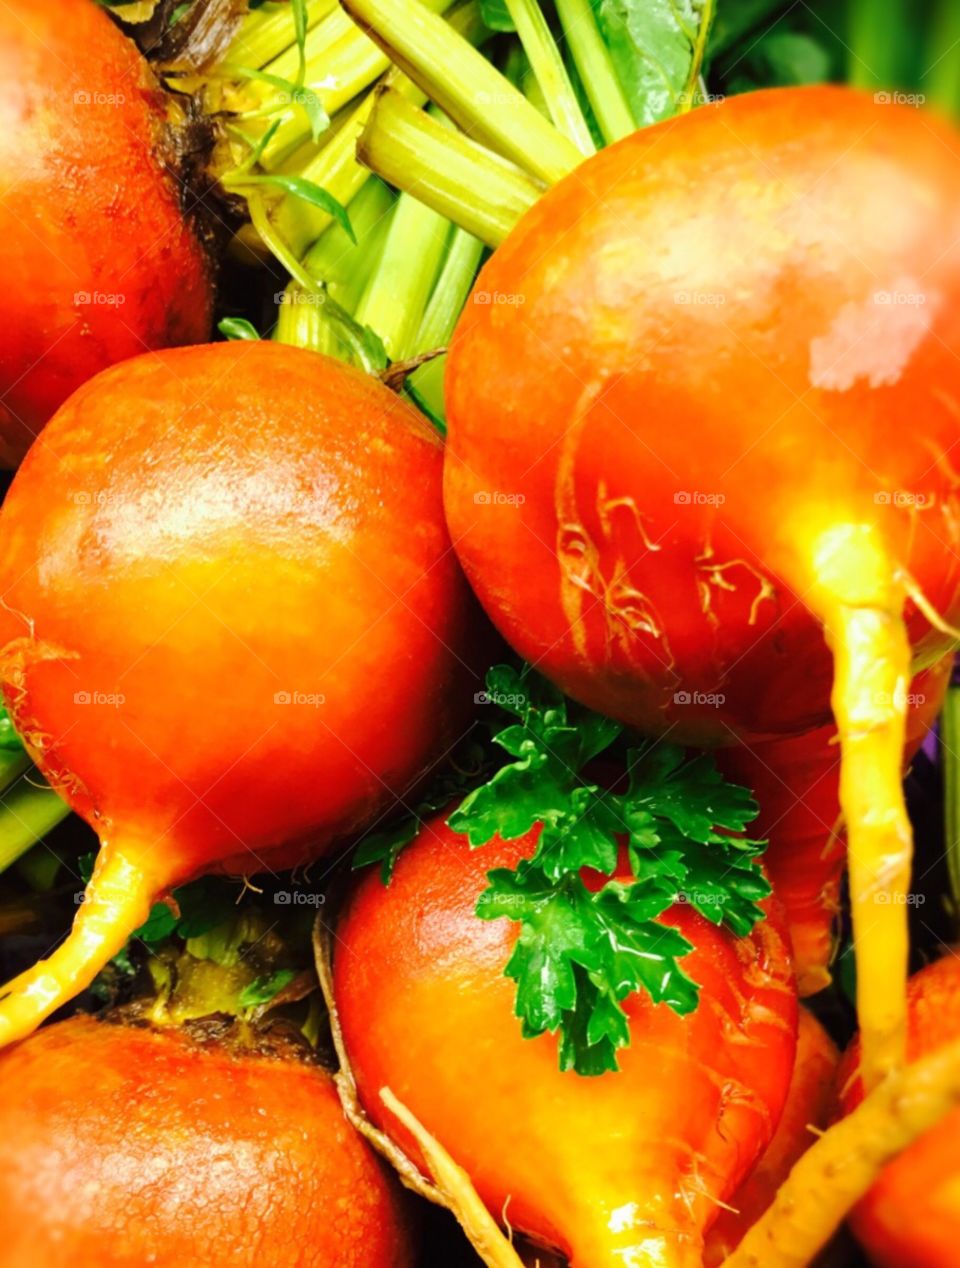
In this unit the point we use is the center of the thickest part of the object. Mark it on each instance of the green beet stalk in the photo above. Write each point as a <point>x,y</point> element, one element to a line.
<point>343,66</point>
<point>342,267</point>
<point>879,43</point>
<point>27,813</point>
<point>336,167</point>
<point>264,33</point>
<point>396,296</point>
<point>940,80</point>
<point>446,303</point>
<point>345,266</point>
<point>468,184</point>
<point>14,762</point>
<point>595,68</point>
<point>551,74</point>
<point>465,85</point>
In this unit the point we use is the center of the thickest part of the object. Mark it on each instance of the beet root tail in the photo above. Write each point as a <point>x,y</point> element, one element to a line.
<point>837,1171</point>
<point>859,594</point>
<point>116,902</point>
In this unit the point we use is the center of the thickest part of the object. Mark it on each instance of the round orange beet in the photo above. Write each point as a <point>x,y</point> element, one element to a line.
<point>728,379</point>
<point>233,629</point>
<point>626,1167</point>
<point>911,1216</point>
<point>98,256</point>
<point>701,469</point>
<point>122,1146</point>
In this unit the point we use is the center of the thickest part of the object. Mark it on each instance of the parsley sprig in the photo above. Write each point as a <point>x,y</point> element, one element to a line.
<point>626,832</point>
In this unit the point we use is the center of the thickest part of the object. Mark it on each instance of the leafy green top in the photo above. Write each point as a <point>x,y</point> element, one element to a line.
<point>658,49</point>
<point>659,834</point>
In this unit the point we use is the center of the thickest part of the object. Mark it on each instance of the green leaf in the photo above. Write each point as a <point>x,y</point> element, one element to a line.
<point>180,11</point>
<point>295,94</point>
<point>688,792</point>
<point>496,16</point>
<point>724,884</point>
<point>384,847</point>
<point>657,47</point>
<point>552,740</point>
<point>517,797</point>
<point>205,904</point>
<point>237,328</point>
<point>310,192</point>
<point>9,739</point>
<point>554,935</point>
<point>300,35</point>
<point>264,989</point>
<point>580,953</point>
<point>158,925</point>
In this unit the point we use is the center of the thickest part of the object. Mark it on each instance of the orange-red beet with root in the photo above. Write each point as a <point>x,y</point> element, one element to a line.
<point>724,404</point>
<point>625,1168</point>
<point>122,1146</point>
<point>911,1216</point>
<point>235,631</point>
<point>97,259</point>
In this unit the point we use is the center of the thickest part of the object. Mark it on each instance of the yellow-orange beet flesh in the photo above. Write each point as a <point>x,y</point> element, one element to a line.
<point>627,1167</point>
<point>122,1146</point>
<point>233,626</point>
<point>99,256</point>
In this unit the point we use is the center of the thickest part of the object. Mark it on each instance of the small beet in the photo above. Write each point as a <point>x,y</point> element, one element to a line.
<point>122,1146</point>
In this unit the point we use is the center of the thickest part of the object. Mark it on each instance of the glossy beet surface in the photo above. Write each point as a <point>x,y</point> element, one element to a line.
<point>233,629</point>
<point>124,1146</point>
<point>98,256</point>
<point>911,1216</point>
<point>600,1168</point>
<point>235,624</point>
<point>706,364</point>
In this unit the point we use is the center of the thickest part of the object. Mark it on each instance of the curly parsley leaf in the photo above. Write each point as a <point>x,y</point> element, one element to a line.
<point>583,948</point>
<point>581,952</point>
